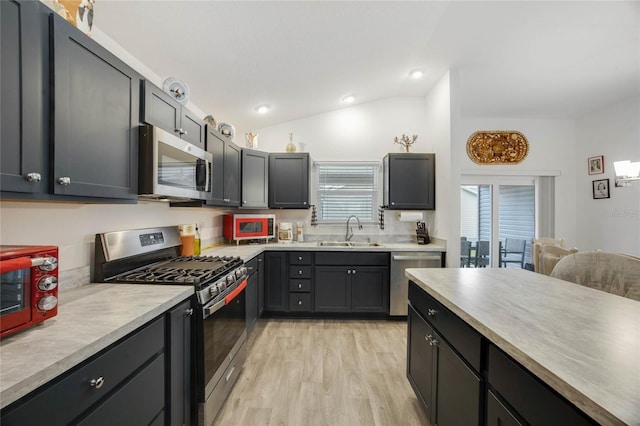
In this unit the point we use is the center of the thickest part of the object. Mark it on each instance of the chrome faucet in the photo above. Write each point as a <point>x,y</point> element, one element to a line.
<point>349,233</point>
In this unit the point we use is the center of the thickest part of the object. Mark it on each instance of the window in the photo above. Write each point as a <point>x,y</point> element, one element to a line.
<point>346,188</point>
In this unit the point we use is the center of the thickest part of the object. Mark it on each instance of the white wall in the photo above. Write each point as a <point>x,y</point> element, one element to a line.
<point>608,224</point>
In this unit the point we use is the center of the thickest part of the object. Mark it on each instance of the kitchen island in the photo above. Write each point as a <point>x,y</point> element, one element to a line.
<point>582,343</point>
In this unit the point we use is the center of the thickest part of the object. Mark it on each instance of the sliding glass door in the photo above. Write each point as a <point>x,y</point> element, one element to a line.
<point>497,221</point>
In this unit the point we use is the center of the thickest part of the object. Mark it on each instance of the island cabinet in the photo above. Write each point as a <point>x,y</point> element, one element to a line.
<point>144,378</point>
<point>443,362</point>
<point>351,282</point>
<point>160,109</point>
<point>409,181</point>
<point>23,168</point>
<point>225,174</point>
<point>255,179</point>
<point>289,181</point>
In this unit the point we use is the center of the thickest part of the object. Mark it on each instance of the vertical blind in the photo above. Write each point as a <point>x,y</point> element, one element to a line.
<point>346,188</point>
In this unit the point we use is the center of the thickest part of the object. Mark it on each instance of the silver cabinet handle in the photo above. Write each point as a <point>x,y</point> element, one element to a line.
<point>299,257</point>
<point>299,272</point>
<point>97,383</point>
<point>227,200</point>
<point>244,202</point>
<point>393,203</point>
<point>189,312</point>
<point>353,271</point>
<point>431,312</point>
<point>34,177</point>
<point>428,257</point>
<point>348,271</point>
<point>432,342</point>
<point>299,285</point>
<point>178,130</point>
<point>65,180</point>
<point>304,202</point>
<point>183,132</point>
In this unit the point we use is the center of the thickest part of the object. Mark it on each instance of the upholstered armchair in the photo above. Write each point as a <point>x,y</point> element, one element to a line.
<point>611,272</point>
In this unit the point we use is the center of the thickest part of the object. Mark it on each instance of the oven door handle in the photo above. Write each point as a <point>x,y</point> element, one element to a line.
<point>18,263</point>
<point>236,291</point>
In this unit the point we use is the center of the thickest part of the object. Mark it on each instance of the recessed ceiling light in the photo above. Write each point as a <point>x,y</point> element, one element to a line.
<point>263,109</point>
<point>416,74</point>
<point>348,99</point>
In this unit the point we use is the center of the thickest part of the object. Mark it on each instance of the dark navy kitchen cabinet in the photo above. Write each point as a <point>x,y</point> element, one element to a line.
<point>251,293</point>
<point>225,176</point>
<point>160,109</point>
<point>289,181</point>
<point>23,167</point>
<point>409,181</point>
<point>255,179</point>
<point>180,409</point>
<point>95,118</point>
<point>275,286</point>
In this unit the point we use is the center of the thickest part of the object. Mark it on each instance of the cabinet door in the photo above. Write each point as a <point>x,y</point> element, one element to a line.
<point>255,179</point>
<point>498,414</point>
<point>21,87</point>
<point>409,181</point>
<point>421,361</point>
<point>160,109</point>
<point>215,146</point>
<point>289,181</point>
<point>192,128</point>
<point>251,295</point>
<point>95,118</point>
<point>179,345</point>
<point>369,289</point>
<point>260,285</point>
<point>332,289</point>
<point>275,286</point>
<point>232,160</point>
<point>458,393</point>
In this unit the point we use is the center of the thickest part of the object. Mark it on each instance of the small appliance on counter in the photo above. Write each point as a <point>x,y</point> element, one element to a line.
<point>236,227</point>
<point>285,232</point>
<point>29,285</point>
<point>422,233</point>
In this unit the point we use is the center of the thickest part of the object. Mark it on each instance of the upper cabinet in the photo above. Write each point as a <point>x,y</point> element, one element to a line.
<point>23,166</point>
<point>225,176</point>
<point>95,118</point>
<point>289,181</point>
<point>160,109</point>
<point>410,181</point>
<point>255,179</point>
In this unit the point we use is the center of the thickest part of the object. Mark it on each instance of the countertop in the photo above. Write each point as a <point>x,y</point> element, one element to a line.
<point>89,319</point>
<point>582,342</point>
<point>248,251</point>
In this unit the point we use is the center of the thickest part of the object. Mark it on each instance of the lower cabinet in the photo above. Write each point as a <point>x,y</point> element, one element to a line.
<point>144,378</point>
<point>275,275</point>
<point>251,293</point>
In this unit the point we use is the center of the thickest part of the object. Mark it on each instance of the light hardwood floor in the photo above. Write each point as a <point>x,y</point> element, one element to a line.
<point>324,372</point>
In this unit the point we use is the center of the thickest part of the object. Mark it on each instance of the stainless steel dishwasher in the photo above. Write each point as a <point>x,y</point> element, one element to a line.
<point>398,297</point>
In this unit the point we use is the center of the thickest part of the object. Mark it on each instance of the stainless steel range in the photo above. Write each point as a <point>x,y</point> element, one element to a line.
<point>151,256</point>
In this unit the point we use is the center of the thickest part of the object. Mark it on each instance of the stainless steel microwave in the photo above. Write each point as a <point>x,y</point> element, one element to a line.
<point>171,169</point>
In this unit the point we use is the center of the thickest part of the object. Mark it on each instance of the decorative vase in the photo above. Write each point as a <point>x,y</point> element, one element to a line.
<point>290,146</point>
<point>252,140</point>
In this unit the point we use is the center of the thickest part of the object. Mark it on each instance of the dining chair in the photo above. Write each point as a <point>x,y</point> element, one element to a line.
<point>512,251</point>
<point>550,255</point>
<point>465,253</point>
<point>483,250</point>
<point>536,248</point>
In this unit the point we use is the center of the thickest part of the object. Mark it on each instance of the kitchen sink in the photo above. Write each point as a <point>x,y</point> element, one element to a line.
<point>347,244</point>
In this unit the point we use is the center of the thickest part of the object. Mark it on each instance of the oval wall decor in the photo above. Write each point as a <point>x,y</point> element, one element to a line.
<point>497,147</point>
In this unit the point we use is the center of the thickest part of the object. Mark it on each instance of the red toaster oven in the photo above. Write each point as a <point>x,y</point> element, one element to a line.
<point>28,285</point>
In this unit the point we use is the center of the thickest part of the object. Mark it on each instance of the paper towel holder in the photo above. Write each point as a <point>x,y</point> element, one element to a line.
<point>410,216</point>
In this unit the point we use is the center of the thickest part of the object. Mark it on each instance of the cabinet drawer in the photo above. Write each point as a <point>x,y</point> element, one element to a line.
<point>64,400</point>
<point>137,403</point>
<point>300,258</point>
<point>498,414</point>
<point>301,271</point>
<point>300,302</point>
<point>460,335</point>
<point>300,285</point>
<point>333,258</point>
<point>533,400</point>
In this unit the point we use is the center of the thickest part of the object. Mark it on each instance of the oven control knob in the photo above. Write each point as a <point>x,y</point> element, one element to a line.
<point>47,283</point>
<point>221,286</point>
<point>231,278</point>
<point>47,303</point>
<point>49,264</point>
<point>241,271</point>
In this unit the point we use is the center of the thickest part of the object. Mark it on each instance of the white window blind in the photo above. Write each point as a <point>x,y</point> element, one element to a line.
<point>346,188</point>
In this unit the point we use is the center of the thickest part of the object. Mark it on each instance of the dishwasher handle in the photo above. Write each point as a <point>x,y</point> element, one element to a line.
<point>428,257</point>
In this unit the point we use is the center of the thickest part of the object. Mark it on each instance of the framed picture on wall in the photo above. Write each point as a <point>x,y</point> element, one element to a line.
<point>596,165</point>
<point>600,189</point>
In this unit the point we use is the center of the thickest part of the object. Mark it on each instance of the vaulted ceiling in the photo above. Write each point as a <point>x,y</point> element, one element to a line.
<point>537,59</point>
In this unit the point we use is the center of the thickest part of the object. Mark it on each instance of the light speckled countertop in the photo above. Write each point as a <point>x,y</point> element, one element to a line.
<point>248,251</point>
<point>582,342</point>
<point>89,319</point>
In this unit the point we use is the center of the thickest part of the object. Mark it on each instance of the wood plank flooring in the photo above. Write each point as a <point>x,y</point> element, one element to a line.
<point>324,372</point>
